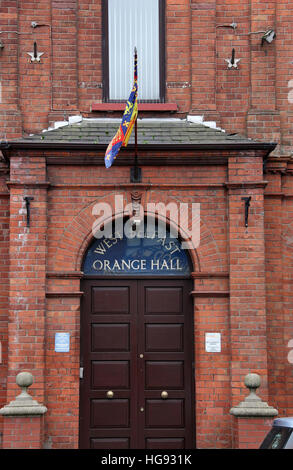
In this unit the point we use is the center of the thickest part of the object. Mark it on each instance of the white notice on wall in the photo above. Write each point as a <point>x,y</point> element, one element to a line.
<point>213,342</point>
<point>62,342</point>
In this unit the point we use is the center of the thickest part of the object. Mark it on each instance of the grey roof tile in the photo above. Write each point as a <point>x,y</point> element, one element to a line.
<point>149,132</point>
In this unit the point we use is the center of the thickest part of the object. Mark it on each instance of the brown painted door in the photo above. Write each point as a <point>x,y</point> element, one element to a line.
<point>137,352</point>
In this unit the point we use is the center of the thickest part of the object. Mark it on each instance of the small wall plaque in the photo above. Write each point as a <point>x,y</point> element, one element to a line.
<point>213,342</point>
<point>62,342</point>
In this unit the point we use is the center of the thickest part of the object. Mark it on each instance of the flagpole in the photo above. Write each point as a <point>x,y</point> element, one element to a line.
<point>135,152</point>
<point>135,172</point>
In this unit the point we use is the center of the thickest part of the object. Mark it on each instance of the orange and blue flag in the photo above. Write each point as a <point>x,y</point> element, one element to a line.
<point>121,137</point>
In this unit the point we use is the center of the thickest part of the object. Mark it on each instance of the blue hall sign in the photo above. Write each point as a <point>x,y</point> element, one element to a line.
<point>137,256</point>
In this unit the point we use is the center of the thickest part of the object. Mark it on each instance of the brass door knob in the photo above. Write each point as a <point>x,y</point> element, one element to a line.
<point>110,394</point>
<point>164,394</point>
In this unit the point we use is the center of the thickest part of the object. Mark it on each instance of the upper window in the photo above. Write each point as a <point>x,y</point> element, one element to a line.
<point>128,24</point>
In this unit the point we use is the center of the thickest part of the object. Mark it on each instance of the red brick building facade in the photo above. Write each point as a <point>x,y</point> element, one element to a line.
<point>240,274</point>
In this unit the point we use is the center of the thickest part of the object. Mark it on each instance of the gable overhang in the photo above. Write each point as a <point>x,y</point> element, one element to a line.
<point>78,153</point>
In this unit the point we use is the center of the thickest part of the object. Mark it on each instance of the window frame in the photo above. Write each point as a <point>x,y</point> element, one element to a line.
<point>105,55</point>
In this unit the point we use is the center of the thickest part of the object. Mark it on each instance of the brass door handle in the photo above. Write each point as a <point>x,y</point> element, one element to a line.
<point>164,394</point>
<point>110,394</point>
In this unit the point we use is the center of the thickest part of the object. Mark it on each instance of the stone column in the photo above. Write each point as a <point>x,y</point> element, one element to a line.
<point>252,418</point>
<point>23,418</point>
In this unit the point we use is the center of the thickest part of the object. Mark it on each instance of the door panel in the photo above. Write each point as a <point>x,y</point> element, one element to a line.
<point>110,374</point>
<point>163,300</point>
<point>164,413</point>
<point>169,443</point>
<point>110,443</point>
<point>109,413</point>
<point>110,299</point>
<point>172,334</point>
<point>168,374</point>
<point>110,337</point>
<point>136,342</point>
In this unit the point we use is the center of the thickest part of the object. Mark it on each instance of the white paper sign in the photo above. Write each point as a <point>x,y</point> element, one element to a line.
<point>62,342</point>
<point>213,342</point>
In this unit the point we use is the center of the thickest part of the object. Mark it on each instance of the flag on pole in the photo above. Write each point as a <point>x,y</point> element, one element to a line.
<point>121,137</point>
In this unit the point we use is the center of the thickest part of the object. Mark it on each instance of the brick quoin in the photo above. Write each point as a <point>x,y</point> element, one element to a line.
<point>27,430</point>
<point>242,276</point>
<point>249,432</point>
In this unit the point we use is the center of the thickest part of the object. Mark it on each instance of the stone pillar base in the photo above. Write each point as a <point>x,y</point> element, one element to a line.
<point>249,432</point>
<point>252,418</point>
<point>23,418</point>
<point>22,432</point>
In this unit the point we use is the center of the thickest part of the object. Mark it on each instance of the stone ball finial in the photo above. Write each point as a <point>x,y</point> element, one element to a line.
<point>24,379</point>
<point>24,404</point>
<point>253,405</point>
<point>252,381</point>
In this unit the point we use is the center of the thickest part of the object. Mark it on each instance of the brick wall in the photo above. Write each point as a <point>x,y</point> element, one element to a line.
<point>47,259</point>
<point>4,286</point>
<point>10,115</point>
<point>252,100</point>
<point>278,243</point>
<point>249,432</point>
<point>72,194</point>
<point>23,432</point>
<point>27,250</point>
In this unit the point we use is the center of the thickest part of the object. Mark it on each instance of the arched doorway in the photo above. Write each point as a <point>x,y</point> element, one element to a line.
<point>137,389</point>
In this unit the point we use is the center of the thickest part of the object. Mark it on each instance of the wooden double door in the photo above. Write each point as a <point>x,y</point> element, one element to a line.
<point>137,358</point>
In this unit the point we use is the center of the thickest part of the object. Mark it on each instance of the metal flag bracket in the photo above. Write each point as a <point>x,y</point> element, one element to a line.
<point>247,205</point>
<point>28,200</point>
